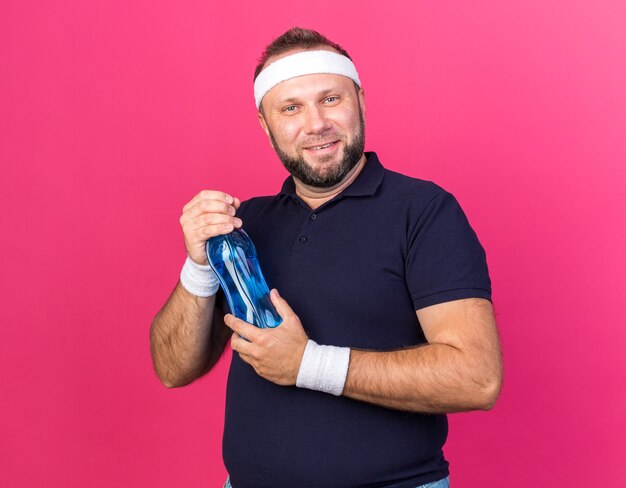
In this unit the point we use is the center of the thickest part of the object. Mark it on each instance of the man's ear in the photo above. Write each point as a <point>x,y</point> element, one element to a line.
<point>265,127</point>
<point>362,101</point>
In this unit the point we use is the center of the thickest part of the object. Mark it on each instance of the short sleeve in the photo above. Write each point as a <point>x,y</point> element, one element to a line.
<point>445,260</point>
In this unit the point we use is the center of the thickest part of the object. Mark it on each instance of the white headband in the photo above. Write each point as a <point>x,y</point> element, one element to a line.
<point>300,64</point>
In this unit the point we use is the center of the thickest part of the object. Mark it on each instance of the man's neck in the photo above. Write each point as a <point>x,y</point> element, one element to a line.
<point>315,197</point>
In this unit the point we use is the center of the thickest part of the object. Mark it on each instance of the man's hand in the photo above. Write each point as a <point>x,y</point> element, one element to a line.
<point>275,354</point>
<point>210,213</point>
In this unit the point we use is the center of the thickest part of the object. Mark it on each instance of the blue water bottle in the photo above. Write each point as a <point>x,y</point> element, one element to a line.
<point>233,258</point>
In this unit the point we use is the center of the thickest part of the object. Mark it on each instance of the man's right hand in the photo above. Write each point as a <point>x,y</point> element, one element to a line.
<point>210,213</point>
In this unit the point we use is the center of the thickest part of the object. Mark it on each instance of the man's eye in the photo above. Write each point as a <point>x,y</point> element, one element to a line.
<point>290,108</point>
<point>332,99</point>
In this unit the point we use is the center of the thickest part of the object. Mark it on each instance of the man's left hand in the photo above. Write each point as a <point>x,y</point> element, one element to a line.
<point>276,353</point>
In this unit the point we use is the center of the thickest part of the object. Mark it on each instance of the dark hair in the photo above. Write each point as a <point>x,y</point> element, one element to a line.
<point>296,37</point>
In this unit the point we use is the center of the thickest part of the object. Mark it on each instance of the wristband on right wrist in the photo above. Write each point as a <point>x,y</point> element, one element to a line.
<point>199,280</point>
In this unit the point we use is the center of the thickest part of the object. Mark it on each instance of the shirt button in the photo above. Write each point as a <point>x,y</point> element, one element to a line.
<point>303,239</point>
<point>313,216</point>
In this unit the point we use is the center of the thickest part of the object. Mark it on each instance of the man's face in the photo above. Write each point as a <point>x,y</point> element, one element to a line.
<point>316,125</point>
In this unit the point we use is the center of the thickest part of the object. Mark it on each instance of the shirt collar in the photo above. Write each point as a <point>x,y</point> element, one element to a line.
<point>366,182</point>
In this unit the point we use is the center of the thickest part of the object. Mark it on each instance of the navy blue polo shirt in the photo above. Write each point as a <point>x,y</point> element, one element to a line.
<point>354,270</point>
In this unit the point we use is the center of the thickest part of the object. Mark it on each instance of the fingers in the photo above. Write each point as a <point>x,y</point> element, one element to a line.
<point>242,328</point>
<point>242,346</point>
<point>208,206</point>
<point>210,213</point>
<point>210,195</point>
<point>213,219</point>
<point>209,231</point>
<point>282,307</point>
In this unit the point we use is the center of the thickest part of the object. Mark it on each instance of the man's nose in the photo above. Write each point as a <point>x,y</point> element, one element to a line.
<point>315,120</point>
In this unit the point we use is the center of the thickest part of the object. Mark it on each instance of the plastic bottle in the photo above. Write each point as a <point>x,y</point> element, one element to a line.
<point>233,258</point>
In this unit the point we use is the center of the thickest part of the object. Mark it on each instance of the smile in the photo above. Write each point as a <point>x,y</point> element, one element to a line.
<point>323,146</point>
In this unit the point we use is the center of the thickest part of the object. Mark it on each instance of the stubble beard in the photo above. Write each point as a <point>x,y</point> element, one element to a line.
<point>304,172</point>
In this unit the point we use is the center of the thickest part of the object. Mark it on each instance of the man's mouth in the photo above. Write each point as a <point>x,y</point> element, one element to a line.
<point>322,146</point>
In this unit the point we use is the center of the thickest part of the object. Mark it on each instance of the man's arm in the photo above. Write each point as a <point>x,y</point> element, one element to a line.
<point>187,337</point>
<point>459,369</point>
<point>188,334</point>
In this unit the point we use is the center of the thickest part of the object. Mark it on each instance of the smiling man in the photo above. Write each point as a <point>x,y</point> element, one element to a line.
<point>384,293</point>
<point>329,132</point>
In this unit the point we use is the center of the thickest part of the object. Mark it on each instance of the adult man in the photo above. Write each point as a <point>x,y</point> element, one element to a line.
<point>387,319</point>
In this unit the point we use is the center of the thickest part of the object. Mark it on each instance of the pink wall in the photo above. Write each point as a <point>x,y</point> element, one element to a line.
<point>114,114</point>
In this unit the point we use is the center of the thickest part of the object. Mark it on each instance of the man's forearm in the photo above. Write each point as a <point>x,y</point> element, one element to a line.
<point>180,337</point>
<point>434,378</point>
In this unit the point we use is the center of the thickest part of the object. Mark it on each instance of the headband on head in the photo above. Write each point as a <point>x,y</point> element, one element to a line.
<point>300,64</point>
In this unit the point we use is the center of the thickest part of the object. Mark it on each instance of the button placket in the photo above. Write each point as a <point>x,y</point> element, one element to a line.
<point>305,232</point>
<point>305,238</point>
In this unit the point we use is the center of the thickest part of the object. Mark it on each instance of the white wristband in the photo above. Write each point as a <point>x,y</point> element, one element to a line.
<point>199,280</point>
<point>324,368</point>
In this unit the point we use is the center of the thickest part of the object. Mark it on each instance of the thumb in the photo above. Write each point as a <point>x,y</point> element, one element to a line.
<point>282,307</point>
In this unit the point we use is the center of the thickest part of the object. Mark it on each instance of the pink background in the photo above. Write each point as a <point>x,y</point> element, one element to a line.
<point>114,114</point>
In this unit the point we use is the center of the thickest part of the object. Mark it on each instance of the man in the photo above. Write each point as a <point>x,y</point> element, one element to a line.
<point>384,294</point>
